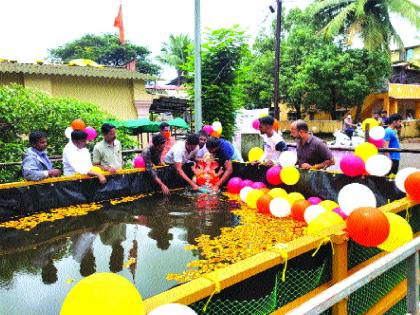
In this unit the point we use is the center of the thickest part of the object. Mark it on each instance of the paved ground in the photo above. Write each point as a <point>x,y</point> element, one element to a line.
<point>410,159</point>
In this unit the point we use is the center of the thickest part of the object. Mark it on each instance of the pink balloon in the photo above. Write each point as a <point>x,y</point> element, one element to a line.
<point>258,185</point>
<point>340,213</point>
<point>208,129</point>
<point>256,124</point>
<point>139,162</point>
<point>246,182</point>
<point>352,165</point>
<point>377,143</point>
<point>91,133</point>
<point>234,185</point>
<point>273,175</point>
<point>314,200</point>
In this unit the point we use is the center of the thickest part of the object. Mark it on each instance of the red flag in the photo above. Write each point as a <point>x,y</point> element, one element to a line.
<point>119,23</point>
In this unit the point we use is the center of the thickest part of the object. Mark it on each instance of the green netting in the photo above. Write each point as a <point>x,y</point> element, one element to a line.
<point>305,273</point>
<point>398,309</point>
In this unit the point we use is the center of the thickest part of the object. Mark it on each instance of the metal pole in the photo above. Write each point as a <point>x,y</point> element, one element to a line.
<point>277,62</point>
<point>413,284</point>
<point>197,68</point>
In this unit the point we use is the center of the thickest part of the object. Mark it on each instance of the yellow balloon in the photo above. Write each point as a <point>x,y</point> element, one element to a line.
<point>278,193</point>
<point>255,154</point>
<point>262,115</point>
<point>328,205</point>
<point>103,293</point>
<point>253,196</point>
<point>323,221</point>
<point>289,175</point>
<point>371,121</point>
<point>366,150</point>
<point>400,232</point>
<point>97,169</point>
<point>295,196</point>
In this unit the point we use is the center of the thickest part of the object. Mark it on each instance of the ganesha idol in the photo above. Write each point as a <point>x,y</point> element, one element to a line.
<point>205,172</point>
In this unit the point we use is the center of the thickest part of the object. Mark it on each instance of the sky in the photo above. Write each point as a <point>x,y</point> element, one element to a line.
<point>28,28</point>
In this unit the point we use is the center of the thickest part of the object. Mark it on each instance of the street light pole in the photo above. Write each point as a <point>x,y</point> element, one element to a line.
<point>197,68</point>
<point>277,61</point>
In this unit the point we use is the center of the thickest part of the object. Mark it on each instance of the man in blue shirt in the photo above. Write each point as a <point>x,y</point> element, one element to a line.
<point>391,140</point>
<point>225,153</point>
<point>36,165</point>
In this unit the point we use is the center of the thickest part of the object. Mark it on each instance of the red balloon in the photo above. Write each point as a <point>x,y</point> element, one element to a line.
<point>78,124</point>
<point>263,204</point>
<point>246,182</point>
<point>273,175</point>
<point>412,186</point>
<point>352,165</point>
<point>298,209</point>
<point>234,185</point>
<point>377,143</point>
<point>139,162</point>
<point>368,226</point>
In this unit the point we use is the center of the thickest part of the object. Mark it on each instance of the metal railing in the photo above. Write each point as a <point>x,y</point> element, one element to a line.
<point>343,289</point>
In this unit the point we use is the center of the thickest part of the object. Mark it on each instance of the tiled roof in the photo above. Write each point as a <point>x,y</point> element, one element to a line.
<point>74,71</point>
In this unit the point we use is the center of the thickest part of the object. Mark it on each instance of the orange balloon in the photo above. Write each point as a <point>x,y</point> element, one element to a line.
<point>276,125</point>
<point>298,209</point>
<point>78,124</point>
<point>412,186</point>
<point>263,204</point>
<point>215,134</point>
<point>368,226</point>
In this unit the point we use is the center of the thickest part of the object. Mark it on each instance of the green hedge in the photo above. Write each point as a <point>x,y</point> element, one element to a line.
<point>23,110</point>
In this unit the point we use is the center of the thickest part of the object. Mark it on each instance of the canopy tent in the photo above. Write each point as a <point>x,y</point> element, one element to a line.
<point>144,125</point>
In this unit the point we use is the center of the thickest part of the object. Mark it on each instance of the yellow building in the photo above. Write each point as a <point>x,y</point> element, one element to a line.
<point>117,91</point>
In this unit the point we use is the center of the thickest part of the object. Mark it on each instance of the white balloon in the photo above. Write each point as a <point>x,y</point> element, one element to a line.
<point>244,193</point>
<point>353,196</point>
<point>172,309</point>
<point>280,207</point>
<point>378,165</point>
<point>402,176</point>
<point>377,133</point>
<point>216,125</point>
<point>68,132</point>
<point>313,212</point>
<point>288,158</point>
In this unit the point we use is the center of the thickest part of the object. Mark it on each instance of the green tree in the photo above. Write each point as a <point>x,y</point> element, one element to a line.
<point>332,76</point>
<point>222,53</point>
<point>368,18</point>
<point>175,53</point>
<point>105,49</point>
<point>24,110</point>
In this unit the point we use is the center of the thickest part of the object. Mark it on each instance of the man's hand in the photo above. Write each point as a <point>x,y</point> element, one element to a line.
<point>306,166</point>
<point>255,163</point>
<point>111,170</point>
<point>54,172</point>
<point>102,179</point>
<point>216,188</point>
<point>165,190</point>
<point>269,163</point>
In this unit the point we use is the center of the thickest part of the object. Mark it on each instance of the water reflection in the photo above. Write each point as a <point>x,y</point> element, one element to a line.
<point>151,232</point>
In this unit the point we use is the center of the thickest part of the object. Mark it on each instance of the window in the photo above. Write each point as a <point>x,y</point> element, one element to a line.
<point>410,54</point>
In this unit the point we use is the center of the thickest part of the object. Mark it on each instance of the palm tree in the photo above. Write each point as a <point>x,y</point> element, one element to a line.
<point>175,53</point>
<point>368,18</point>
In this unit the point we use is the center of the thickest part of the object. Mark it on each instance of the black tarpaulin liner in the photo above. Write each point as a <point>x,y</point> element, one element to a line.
<point>44,196</point>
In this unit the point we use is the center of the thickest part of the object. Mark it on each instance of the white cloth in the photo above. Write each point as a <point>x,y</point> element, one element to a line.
<point>270,152</point>
<point>76,160</point>
<point>178,154</point>
<point>202,152</point>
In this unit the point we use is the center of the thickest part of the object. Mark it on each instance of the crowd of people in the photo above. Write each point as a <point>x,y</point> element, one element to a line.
<point>312,153</point>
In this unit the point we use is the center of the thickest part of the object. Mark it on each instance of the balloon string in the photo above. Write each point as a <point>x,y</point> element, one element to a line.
<point>281,249</point>
<point>407,214</point>
<point>324,240</point>
<point>217,287</point>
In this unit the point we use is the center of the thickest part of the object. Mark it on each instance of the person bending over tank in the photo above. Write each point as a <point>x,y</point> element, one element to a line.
<point>181,153</point>
<point>152,156</point>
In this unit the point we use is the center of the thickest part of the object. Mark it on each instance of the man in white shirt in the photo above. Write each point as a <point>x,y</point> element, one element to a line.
<point>76,157</point>
<point>274,143</point>
<point>202,149</point>
<point>181,153</point>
